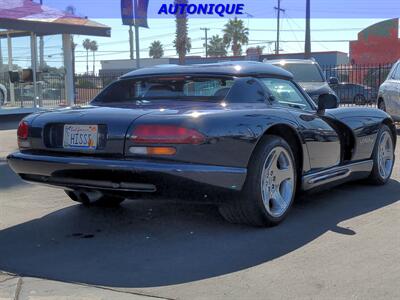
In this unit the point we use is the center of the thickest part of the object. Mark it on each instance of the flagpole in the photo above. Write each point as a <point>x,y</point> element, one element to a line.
<point>137,46</point>
<point>136,33</point>
<point>131,42</point>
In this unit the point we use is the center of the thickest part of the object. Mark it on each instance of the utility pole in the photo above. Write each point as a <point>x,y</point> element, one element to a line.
<point>307,45</point>
<point>278,21</point>
<point>205,38</point>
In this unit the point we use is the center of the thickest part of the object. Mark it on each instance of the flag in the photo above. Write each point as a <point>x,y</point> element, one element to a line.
<point>141,7</point>
<point>134,12</point>
<point>127,12</point>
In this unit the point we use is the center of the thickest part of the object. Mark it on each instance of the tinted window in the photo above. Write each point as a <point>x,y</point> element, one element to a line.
<point>176,88</point>
<point>286,93</point>
<point>303,72</point>
<point>246,90</point>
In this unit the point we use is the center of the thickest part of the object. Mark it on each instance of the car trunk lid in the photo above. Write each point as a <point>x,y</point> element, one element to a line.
<point>112,124</point>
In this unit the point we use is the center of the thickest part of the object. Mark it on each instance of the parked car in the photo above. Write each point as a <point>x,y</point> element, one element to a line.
<point>308,74</point>
<point>352,93</point>
<point>389,93</point>
<point>244,135</point>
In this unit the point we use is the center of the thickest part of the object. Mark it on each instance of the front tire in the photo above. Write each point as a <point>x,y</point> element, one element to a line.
<point>2,98</point>
<point>94,200</point>
<point>382,105</point>
<point>383,157</point>
<point>270,186</point>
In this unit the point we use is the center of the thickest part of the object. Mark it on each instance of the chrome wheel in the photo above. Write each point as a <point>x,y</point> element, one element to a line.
<point>277,181</point>
<point>385,155</point>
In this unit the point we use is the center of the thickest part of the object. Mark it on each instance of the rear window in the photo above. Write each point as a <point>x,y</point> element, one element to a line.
<point>303,72</point>
<point>168,88</point>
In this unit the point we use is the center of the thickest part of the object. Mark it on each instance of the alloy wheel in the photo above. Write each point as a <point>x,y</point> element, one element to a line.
<point>385,155</point>
<point>277,181</point>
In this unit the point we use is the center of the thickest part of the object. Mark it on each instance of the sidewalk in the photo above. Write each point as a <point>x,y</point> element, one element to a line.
<point>14,287</point>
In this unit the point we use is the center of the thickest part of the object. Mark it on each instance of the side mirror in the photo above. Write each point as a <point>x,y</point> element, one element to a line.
<point>333,80</point>
<point>327,101</point>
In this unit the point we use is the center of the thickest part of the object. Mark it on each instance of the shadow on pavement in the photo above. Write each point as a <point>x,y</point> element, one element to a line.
<point>8,179</point>
<point>147,244</point>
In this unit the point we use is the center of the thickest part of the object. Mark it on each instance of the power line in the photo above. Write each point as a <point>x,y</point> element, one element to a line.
<point>301,30</point>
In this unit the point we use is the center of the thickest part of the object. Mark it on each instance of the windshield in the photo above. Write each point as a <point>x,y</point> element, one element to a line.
<point>303,72</point>
<point>159,88</point>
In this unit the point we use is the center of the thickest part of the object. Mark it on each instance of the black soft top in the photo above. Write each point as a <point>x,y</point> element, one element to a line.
<point>237,68</point>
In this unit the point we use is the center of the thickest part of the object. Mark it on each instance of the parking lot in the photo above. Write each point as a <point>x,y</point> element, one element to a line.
<point>342,244</point>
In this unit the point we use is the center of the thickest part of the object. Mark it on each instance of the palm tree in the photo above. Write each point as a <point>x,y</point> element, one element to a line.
<point>216,47</point>
<point>236,35</point>
<point>86,44</point>
<point>156,49</point>
<point>94,47</point>
<point>182,42</point>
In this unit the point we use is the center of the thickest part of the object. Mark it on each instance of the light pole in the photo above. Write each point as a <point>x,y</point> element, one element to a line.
<point>41,49</point>
<point>307,45</point>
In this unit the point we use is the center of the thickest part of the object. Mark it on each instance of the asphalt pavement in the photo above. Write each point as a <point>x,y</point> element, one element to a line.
<point>340,244</point>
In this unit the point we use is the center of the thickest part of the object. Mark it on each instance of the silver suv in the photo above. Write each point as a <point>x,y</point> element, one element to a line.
<point>389,93</point>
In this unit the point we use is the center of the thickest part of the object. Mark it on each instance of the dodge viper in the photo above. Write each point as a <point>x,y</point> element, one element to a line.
<point>241,134</point>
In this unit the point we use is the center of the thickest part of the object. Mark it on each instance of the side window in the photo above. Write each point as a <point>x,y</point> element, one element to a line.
<point>286,93</point>
<point>397,73</point>
<point>393,73</point>
<point>246,89</point>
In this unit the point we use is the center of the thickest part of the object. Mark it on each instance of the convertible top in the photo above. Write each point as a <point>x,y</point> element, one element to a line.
<point>240,68</point>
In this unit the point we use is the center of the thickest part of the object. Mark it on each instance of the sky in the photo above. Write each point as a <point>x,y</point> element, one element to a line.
<point>328,33</point>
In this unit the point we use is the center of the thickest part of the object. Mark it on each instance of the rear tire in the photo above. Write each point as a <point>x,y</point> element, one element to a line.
<point>359,99</point>
<point>101,201</point>
<point>269,189</point>
<point>383,157</point>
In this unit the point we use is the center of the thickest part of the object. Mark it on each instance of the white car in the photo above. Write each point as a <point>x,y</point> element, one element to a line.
<point>389,93</point>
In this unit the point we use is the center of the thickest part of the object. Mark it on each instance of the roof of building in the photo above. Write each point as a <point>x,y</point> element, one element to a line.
<point>237,68</point>
<point>25,16</point>
<point>290,61</point>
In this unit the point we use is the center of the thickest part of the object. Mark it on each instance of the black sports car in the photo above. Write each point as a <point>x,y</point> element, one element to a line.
<point>244,135</point>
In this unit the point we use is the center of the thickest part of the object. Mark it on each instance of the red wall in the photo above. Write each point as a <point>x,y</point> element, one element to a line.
<point>376,44</point>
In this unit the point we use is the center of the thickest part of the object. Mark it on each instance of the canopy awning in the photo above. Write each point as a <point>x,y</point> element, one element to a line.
<point>28,16</point>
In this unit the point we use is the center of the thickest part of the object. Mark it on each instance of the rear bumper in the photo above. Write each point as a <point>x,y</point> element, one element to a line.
<point>122,175</point>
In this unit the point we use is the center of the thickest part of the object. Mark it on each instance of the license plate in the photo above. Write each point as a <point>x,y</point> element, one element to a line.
<point>80,136</point>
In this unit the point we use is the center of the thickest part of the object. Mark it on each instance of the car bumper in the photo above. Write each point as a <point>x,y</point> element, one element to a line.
<point>122,175</point>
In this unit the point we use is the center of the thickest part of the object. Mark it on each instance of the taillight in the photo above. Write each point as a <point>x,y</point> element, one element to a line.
<point>166,134</point>
<point>22,131</point>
